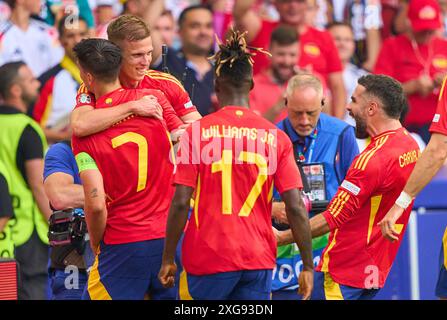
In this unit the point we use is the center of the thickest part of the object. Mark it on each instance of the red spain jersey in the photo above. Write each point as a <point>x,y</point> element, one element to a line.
<point>169,85</point>
<point>357,253</point>
<point>133,158</point>
<point>439,122</point>
<point>232,158</point>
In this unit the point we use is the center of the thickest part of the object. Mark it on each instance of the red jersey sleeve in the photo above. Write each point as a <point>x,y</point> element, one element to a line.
<point>187,170</point>
<point>174,92</point>
<point>439,123</point>
<point>169,115</point>
<point>385,61</point>
<point>355,190</point>
<point>287,176</point>
<point>84,97</point>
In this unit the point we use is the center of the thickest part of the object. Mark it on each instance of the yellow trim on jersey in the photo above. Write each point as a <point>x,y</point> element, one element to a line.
<point>95,288</point>
<point>375,203</point>
<point>183,287</point>
<point>363,160</point>
<point>332,289</point>
<point>196,202</point>
<point>325,266</point>
<point>444,243</point>
<point>441,92</point>
<point>82,88</point>
<point>270,197</point>
<point>47,111</point>
<point>339,201</point>
<point>380,145</point>
<point>342,204</point>
<point>165,76</point>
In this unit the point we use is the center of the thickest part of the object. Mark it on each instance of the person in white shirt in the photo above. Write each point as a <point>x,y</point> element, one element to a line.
<point>23,38</point>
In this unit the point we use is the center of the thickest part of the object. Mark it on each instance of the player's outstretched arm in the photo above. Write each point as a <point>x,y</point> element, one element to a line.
<point>87,120</point>
<point>178,215</point>
<point>299,224</point>
<point>426,167</point>
<point>95,206</point>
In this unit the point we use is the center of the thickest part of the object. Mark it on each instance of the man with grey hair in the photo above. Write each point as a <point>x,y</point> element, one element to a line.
<point>323,143</point>
<point>357,260</point>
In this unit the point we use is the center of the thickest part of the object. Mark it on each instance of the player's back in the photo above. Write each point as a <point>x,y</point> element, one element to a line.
<point>133,158</point>
<point>373,182</point>
<point>236,155</point>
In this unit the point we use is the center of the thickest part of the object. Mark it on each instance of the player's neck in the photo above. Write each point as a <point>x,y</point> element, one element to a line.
<point>105,88</point>
<point>21,18</point>
<point>127,82</point>
<point>375,129</point>
<point>240,101</point>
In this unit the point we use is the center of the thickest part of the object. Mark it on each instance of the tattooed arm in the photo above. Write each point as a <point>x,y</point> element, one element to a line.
<point>95,206</point>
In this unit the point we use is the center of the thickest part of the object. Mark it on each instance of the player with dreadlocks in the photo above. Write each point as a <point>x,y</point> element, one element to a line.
<point>230,159</point>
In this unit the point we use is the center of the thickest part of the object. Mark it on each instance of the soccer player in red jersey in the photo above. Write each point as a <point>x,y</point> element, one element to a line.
<point>126,174</point>
<point>431,160</point>
<point>357,259</point>
<point>133,37</point>
<point>231,159</point>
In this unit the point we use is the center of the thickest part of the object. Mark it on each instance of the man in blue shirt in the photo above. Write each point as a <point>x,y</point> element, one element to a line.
<point>328,144</point>
<point>68,269</point>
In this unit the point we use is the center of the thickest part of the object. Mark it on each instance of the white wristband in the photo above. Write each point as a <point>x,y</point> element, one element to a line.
<point>404,200</point>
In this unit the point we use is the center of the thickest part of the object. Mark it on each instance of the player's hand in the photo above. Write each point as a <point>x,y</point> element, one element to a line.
<point>177,133</point>
<point>148,106</point>
<point>280,236</point>
<point>167,274</point>
<point>388,222</point>
<point>279,212</point>
<point>306,283</point>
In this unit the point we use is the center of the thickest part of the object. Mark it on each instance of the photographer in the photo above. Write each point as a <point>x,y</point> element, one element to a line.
<point>64,190</point>
<point>324,148</point>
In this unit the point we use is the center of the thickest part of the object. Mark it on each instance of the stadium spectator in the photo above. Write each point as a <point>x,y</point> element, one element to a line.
<point>5,12</point>
<point>355,268</point>
<point>126,233</point>
<point>284,48</point>
<point>190,64</point>
<point>231,255</point>
<point>429,163</point>
<point>134,38</point>
<point>344,41</point>
<point>317,53</point>
<point>22,146</point>
<point>105,13</point>
<point>55,10</point>
<point>165,25</point>
<point>418,59</point>
<point>318,139</point>
<point>59,85</point>
<point>365,18</point>
<point>6,213</point>
<point>23,38</point>
<point>64,191</point>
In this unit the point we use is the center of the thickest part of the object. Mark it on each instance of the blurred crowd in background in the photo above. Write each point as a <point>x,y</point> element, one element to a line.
<point>338,40</point>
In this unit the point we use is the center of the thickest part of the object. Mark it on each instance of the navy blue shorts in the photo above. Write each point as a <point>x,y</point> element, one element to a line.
<point>128,272</point>
<point>326,288</point>
<point>67,285</point>
<point>441,286</point>
<point>236,285</point>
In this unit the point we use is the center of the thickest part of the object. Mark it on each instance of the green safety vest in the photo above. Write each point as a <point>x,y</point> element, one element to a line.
<point>6,242</point>
<point>27,214</point>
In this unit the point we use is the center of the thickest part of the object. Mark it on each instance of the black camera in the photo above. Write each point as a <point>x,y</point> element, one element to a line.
<point>68,227</point>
